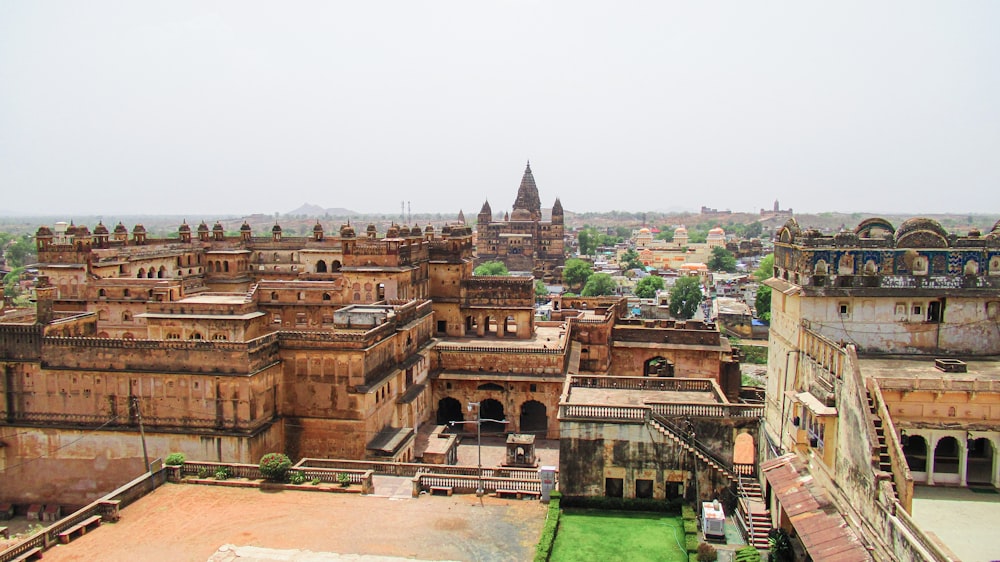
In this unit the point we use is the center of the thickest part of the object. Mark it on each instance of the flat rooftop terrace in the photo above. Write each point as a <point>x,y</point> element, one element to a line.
<point>192,522</point>
<point>639,391</point>
<point>982,373</point>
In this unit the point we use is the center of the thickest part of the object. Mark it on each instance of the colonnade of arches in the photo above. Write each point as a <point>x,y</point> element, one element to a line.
<point>952,457</point>
<point>496,323</point>
<point>532,417</point>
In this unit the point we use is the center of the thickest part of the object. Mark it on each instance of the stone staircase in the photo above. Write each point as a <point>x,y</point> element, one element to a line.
<point>666,429</point>
<point>753,515</point>
<point>884,462</point>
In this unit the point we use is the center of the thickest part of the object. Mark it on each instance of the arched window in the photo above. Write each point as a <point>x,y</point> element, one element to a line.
<point>326,296</point>
<point>321,266</point>
<point>102,293</point>
<point>126,316</point>
<point>194,336</point>
<point>225,266</point>
<point>274,295</point>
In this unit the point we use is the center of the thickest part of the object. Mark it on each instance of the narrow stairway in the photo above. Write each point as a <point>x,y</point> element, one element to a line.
<point>683,441</point>
<point>753,513</point>
<point>884,462</point>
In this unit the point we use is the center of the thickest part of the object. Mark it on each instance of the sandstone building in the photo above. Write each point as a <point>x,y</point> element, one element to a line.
<point>342,345</point>
<point>523,240</point>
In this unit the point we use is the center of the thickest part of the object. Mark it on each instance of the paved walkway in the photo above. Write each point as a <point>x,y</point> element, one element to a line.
<point>964,520</point>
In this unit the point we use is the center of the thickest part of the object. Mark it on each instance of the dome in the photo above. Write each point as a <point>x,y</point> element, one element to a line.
<point>680,230</point>
<point>415,231</point>
<point>921,233</point>
<point>521,215</point>
<point>429,228</point>
<point>318,227</point>
<point>347,231</point>
<point>217,227</point>
<point>245,227</point>
<point>100,229</point>
<point>202,227</point>
<point>276,228</point>
<point>120,229</point>
<point>43,231</point>
<point>644,231</point>
<point>184,227</point>
<point>717,231</point>
<point>138,228</point>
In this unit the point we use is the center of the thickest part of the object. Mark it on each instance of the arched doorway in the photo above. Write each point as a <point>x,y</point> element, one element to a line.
<point>492,409</point>
<point>979,467</point>
<point>744,453</point>
<point>658,367</point>
<point>915,451</point>
<point>946,461</point>
<point>534,418</point>
<point>321,266</point>
<point>449,410</point>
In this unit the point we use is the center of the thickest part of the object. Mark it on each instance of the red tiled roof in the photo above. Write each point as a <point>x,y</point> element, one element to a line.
<point>821,528</point>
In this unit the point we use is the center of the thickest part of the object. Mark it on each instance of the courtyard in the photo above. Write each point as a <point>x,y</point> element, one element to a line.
<point>963,518</point>
<point>187,522</point>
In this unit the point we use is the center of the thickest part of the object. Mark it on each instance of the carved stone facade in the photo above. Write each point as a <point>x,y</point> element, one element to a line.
<point>522,240</point>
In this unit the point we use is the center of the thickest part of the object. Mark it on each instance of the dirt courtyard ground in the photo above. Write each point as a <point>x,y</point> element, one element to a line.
<point>187,522</point>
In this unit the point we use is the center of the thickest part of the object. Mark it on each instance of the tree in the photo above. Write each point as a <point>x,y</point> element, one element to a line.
<point>599,284</point>
<point>19,251</point>
<point>685,297</point>
<point>630,260</point>
<point>587,241</point>
<point>666,233</point>
<point>491,268</point>
<point>766,268</point>
<point>576,272</point>
<point>722,260</point>
<point>753,230</point>
<point>541,291</point>
<point>647,286</point>
<point>763,303</point>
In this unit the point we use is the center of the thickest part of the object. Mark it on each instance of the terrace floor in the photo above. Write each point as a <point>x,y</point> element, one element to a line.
<point>196,522</point>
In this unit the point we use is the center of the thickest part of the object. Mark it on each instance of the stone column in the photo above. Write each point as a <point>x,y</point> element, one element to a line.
<point>480,325</point>
<point>931,444</point>
<point>963,461</point>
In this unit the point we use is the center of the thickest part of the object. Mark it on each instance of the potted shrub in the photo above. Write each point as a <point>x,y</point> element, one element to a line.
<point>344,479</point>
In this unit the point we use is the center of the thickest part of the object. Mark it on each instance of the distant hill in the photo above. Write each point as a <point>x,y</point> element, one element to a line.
<point>310,210</point>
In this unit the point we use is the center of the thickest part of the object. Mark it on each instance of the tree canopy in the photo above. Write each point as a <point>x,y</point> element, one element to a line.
<point>763,303</point>
<point>540,289</point>
<point>647,286</point>
<point>491,268</point>
<point>599,284</point>
<point>722,260</point>
<point>18,250</point>
<point>685,297</point>
<point>589,238</point>
<point>766,268</point>
<point>576,272</point>
<point>630,260</point>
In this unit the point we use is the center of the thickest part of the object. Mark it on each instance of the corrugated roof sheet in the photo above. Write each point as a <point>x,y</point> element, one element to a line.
<point>821,528</point>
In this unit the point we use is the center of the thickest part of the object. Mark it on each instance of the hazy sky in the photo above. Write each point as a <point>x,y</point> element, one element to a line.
<point>242,107</point>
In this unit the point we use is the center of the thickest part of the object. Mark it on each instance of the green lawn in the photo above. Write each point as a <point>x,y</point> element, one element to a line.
<point>586,534</point>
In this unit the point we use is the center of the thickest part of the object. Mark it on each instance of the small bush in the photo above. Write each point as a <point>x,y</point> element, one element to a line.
<point>747,554</point>
<point>687,512</point>
<point>690,526</point>
<point>222,473</point>
<point>203,472</point>
<point>315,481</point>
<point>274,466</point>
<point>707,553</point>
<point>344,479</point>
<point>691,543</point>
<point>297,477</point>
<point>174,459</point>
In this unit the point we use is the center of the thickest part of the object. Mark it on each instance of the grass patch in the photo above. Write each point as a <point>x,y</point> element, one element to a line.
<point>586,534</point>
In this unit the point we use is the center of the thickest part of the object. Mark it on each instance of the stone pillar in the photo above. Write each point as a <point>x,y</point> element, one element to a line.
<point>481,325</point>
<point>963,460</point>
<point>931,445</point>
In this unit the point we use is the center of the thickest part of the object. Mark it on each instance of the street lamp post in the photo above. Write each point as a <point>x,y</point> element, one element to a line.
<point>479,440</point>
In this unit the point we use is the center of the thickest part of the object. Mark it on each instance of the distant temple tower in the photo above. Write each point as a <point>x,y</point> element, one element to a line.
<point>523,240</point>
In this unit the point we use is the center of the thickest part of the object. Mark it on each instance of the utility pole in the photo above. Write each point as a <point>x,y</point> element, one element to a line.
<point>142,434</point>
<point>479,440</point>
